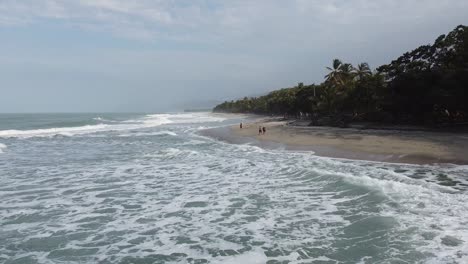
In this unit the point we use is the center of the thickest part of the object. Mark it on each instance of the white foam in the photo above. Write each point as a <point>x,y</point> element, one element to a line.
<point>431,205</point>
<point>288,201</point>
<point>2,147</point>
<point>142,134</point>
<point>250,257</point>
<point>147,121</point>
<point>100,119</point>
<point>53,131</point>
<point>190,118</point>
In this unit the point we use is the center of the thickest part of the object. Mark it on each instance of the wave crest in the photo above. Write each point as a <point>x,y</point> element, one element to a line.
<point>147,121</point>
<point>2,147</point>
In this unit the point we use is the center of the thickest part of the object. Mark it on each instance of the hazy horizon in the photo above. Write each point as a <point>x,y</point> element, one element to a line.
<point>157,56</point>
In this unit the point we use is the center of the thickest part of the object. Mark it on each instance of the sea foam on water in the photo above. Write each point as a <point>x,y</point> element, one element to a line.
<point>153,190</point>
<point>2,147</point>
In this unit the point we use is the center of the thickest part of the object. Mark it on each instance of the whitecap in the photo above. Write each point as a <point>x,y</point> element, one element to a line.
<point>87,129</point>
<point>142,134</point>
<point>187,118</point>
<point>252,257</point>
<point>2,147</point>
<point>100,119</point>
<point>147,121</point>
<point>49,132</point>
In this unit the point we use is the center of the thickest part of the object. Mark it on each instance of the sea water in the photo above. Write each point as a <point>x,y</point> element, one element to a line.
<point>129,188</point>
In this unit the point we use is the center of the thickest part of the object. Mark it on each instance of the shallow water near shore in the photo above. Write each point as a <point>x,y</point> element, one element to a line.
<point>152,189</point>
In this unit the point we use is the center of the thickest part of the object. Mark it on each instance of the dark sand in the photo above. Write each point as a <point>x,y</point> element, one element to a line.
<point>416,147</point>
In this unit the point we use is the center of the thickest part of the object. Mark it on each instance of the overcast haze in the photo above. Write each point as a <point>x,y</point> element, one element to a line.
<point>111,55</point>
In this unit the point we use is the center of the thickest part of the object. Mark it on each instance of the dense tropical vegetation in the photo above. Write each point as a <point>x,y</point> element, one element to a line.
<point>427,86</point>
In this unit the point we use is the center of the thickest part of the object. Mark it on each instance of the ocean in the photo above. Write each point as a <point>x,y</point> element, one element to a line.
<point>149,188</point>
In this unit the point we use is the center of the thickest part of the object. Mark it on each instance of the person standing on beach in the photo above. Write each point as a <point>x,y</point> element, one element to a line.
<point>264,130</point>
<point>240,126</point>
<point>259,130</point>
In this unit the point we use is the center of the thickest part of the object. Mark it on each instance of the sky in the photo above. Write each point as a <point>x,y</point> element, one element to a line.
<point>166,55</point>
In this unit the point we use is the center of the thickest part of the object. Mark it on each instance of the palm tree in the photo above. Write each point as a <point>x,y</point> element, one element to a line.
<point>347,73</point>
<point>363,70</point>
<point>340,73</point>
<point>335,72</point>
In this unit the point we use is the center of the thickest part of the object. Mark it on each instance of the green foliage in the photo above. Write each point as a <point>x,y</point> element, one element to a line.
<point>425,86</point>
<point>429,84</point>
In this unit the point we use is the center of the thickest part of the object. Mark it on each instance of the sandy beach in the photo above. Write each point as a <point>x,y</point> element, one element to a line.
<point>418,147</point>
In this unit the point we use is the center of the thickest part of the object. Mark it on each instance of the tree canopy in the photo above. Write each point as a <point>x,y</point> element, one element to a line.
<point>427,86</point>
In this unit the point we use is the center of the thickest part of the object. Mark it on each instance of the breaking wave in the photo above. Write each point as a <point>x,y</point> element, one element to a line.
<point>155,192</point>
<point>2,147</point>
<point>147,121</point>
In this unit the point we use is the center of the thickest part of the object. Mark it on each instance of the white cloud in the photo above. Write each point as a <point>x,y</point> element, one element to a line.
<point>155,12</point>
<point>255,25</point>
<point>204,47</point>
<point>289,31</point>
<point>227,19</point>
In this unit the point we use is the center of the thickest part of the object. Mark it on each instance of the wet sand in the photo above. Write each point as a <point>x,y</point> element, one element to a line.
<point>417,147</point>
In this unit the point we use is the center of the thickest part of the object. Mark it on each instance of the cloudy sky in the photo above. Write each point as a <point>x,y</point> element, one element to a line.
<point>157,55</point>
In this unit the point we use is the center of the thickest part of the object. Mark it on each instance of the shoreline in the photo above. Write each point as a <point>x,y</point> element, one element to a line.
<point>394,146</point>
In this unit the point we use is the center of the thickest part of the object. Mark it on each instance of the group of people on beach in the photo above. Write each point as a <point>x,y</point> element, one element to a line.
<point>261,130</point>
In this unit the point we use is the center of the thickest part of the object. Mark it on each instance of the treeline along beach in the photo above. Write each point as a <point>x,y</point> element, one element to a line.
<point>424,87</point>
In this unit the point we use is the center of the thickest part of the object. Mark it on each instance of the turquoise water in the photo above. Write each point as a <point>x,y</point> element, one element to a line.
<point>118,188</point>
